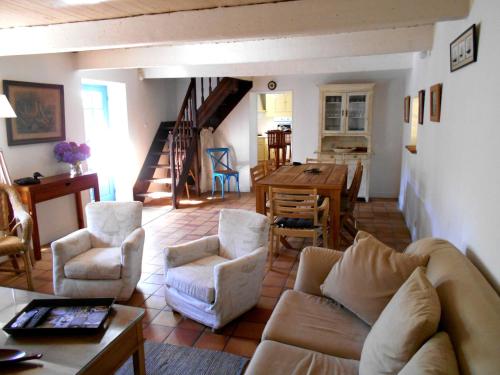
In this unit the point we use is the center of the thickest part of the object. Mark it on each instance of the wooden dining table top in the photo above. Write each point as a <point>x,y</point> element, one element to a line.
<point>330,176</point>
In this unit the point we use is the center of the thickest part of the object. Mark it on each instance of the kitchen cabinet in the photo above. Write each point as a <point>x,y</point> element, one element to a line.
<point>262,151</point>
<point>279,105</point>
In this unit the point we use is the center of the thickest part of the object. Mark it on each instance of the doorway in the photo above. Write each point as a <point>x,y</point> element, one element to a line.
<point>98,133</point>
<point>274,112</point>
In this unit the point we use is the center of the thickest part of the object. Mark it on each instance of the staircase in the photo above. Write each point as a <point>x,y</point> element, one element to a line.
<point>174,151</point>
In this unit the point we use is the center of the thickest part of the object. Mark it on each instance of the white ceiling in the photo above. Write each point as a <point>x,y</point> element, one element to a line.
<point>15,13</point>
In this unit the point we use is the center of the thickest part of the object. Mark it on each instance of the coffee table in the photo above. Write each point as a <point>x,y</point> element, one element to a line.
<point>83,354</point>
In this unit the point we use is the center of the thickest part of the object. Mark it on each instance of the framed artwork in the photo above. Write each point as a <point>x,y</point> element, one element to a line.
<point>463,50</point>
<point>421,100</point>
<point>40,112</point>
<point>435,105</point>
<point>407,109</point>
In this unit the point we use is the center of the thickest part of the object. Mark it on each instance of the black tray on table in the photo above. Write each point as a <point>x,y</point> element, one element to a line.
<point>100,317</point>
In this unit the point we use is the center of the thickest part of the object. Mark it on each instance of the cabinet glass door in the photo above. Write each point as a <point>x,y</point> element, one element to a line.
<point>333,113</point>
<point>357,113</point>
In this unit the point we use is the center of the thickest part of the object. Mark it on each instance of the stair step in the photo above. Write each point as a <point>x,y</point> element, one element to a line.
<point>156,194</point>
<point>159,166</point>
<point>163,180</point>
<point>161,153</point>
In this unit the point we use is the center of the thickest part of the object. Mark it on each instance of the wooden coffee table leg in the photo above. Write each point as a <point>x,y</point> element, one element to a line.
<point>138,357</point>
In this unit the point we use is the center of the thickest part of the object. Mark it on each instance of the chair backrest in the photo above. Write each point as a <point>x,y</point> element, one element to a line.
<point>21,216</point>
<point>217,156</point>
<point>241,232</point>
<point>312,161</point>
<point>270,166</point>
<point>287,137</point>
<point>275,138</point>
<point>109,223</point>
<point>256,173</point>
<point>352,194</point>
<point>294,203</point>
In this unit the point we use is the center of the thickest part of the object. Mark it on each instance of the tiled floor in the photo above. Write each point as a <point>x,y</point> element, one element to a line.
<point>380,217</point>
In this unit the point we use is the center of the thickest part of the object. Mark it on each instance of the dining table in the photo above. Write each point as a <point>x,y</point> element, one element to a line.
<point>330,180</point>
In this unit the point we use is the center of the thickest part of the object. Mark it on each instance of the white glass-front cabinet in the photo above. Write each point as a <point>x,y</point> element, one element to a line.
<point>345,111</point>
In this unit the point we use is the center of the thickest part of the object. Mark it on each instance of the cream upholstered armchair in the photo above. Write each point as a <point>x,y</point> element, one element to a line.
<point>217,278</point>
<point>104,259</point>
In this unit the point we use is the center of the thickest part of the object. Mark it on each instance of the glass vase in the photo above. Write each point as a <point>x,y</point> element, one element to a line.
<point>76,169</point>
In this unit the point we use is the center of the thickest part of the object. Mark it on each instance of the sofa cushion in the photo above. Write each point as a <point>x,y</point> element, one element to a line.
<point>316,323</point>
<point>368,275</point>
<point>276,358</point>
<point>435,357</point>
<point>99,263</point>
<point>410,318</point>
<point>195,279</point>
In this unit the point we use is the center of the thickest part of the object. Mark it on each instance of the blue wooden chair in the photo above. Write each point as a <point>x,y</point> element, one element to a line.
<point>221,169</point>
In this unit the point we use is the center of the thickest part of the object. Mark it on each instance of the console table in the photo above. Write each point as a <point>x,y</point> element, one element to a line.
<point>55,187</point>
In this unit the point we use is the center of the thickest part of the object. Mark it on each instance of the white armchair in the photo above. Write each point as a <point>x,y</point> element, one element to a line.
<point>217,278</point>
<point>104,259</point>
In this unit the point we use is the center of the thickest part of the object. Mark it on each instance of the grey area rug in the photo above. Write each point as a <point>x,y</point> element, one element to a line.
<point>166,359</point>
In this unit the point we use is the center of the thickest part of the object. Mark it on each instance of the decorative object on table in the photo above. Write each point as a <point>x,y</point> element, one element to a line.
<point>16,240</point>
<point>29,180</point>
<point>64,316</point>
<point>40,112</point>
<point>271,85</point>
<point>73,154</point>
<point>105,257</point>
<point>421,100</point>
<point>215,279</point>
<point>8,356</point>
<point>313,170</point>
<point>435,105</point>
<point>407,109</point>
<point>463,50</point>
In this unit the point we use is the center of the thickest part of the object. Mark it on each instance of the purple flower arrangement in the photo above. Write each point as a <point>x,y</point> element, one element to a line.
<point>71,152</point>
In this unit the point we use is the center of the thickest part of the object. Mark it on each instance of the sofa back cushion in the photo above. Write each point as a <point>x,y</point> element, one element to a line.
<point>470,306</point>
<point>109,223</point>
<point>367,276</point>
<point>410,318</point>
<point>435,357</point>
<point>241,232</point>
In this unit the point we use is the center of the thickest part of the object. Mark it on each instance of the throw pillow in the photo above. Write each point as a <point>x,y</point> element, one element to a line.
<point>410,318</point>
<point>367,276</point>
<point>435,357</point>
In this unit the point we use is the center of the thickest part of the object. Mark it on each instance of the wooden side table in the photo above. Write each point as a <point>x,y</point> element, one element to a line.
<point>55,187</point>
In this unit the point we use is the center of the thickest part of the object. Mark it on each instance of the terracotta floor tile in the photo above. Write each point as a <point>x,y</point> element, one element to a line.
<point>155,302</point>
<point>271,291</point>
<point>257,315</point>
<point>267,303</point>
<point>155,279</point>
<point>183,337</point>
<point>157,333</point>
<point>167,318</point>
<point>249,330</point>
<point>150,315</point>
<point>187,323</point>
<point>211,341</point>
<point>241,346</point>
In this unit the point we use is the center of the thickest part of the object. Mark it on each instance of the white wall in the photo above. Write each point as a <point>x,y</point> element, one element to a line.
<point>450,188</point>
<point>147,105</point>
<point>387,129</point>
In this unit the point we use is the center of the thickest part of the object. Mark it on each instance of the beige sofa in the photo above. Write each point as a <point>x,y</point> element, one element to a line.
<point>310,334</point>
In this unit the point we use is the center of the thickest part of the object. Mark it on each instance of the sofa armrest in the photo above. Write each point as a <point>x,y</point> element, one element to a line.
<point>132,248</point>
<point>69,247</point>
<point>238,282</point>
<point>188,252</point>
<point>314,266</point>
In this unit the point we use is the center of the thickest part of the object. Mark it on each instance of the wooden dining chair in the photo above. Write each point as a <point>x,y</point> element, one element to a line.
<point>348,203</point>
<point>296,213</point>
<point>256,173</point>
<point>276,142</point>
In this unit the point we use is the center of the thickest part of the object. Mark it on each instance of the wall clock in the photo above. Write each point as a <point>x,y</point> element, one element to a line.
<point>271,85</point>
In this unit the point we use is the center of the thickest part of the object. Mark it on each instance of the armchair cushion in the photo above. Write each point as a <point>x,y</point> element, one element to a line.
<point>195,279</point>
<point>101,263</point>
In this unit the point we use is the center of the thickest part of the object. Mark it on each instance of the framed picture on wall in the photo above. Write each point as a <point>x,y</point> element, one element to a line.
<point>407,109</point>
<point>421,100</point>
<point>463,50</point>
<point>435,105</point>
<point>40,112</point>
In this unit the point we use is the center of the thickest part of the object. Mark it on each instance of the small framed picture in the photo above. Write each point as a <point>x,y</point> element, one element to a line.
<point>421,101</point>
<point>407,109</point>
<point>435,105</point>
<point>463,50</point>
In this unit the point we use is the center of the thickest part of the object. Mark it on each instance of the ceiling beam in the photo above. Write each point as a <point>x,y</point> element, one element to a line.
<point>251,22</point>
<point>362,43</point>
<point>401,61</point>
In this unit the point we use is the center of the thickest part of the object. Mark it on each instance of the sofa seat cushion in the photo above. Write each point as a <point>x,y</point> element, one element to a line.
<point>99,263</point>
<point>275,358</point>
<point>316,323</point>
<point>195,279</point>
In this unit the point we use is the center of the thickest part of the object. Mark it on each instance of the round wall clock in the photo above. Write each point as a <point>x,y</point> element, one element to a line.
<point>271,85</point>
